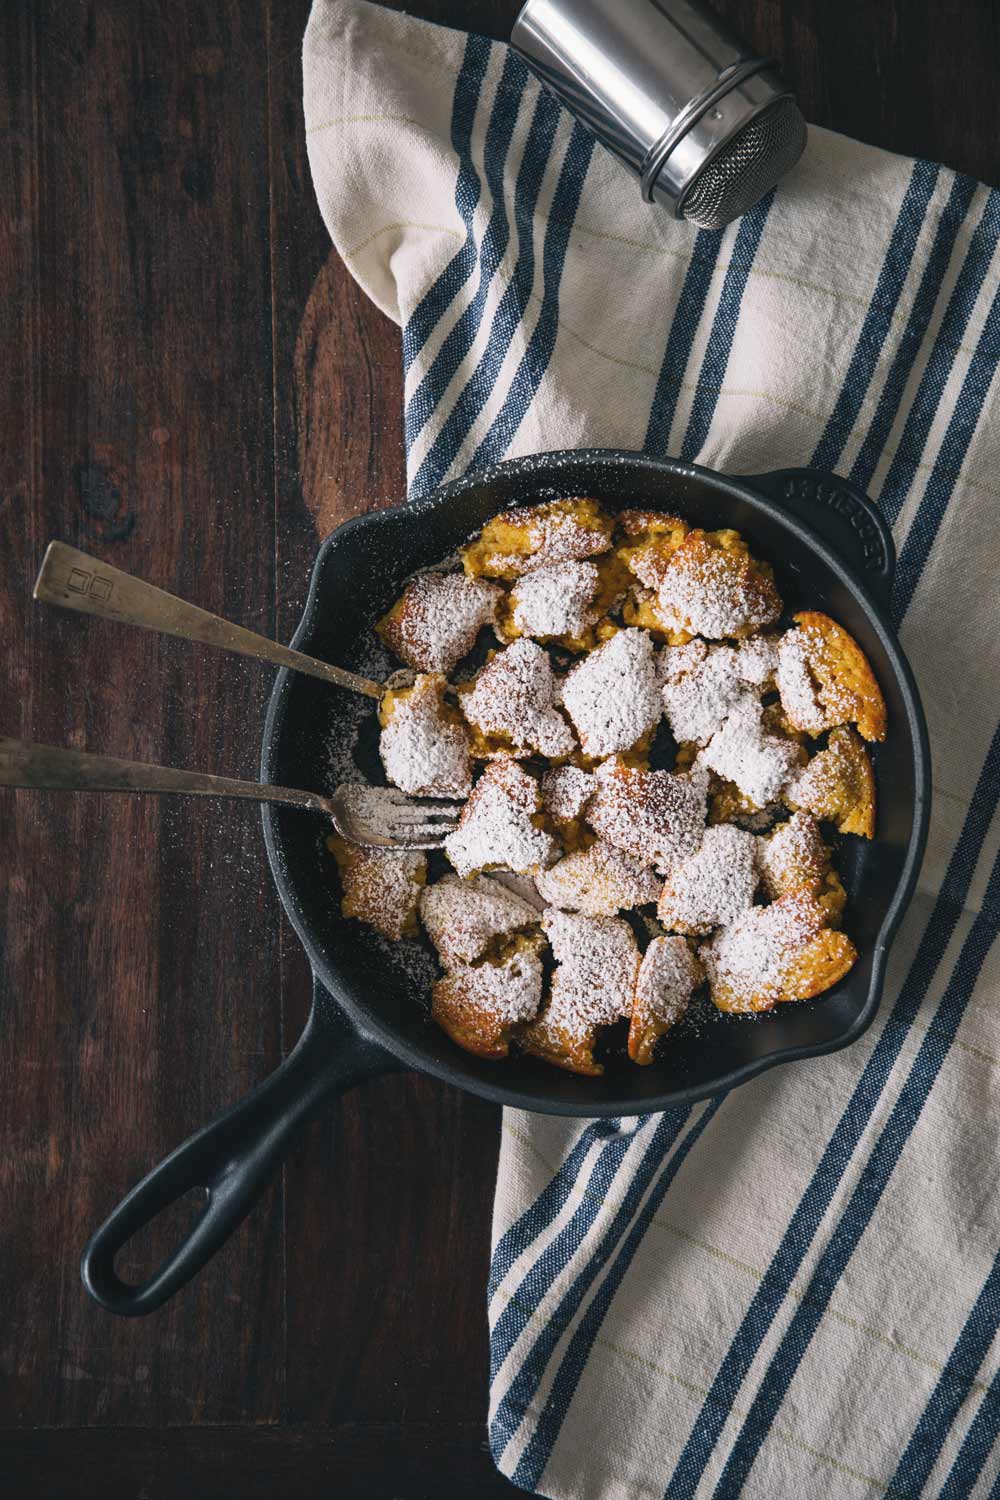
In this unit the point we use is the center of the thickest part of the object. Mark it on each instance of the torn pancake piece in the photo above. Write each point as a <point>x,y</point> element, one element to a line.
<point>527,537</point>
<point>712,887</point>
<point>599,880</point>
<point>436,619</point>
<point>744,752</point>
<point>499,826</point>
<point>597,961</point>
<point>668,976</point>
<point>482,1006</point>
<point>511,703</point>
<point>777,953</point>
<point>613,696</point>
<point>712,587</point>
<point>826,680</point>
<point>464,918</point>
<point>381,887</point>
<point>838,785</point>
<point>424,743</point>
<point>656,816</point>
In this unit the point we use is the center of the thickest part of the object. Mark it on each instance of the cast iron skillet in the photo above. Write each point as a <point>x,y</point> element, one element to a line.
<point>831,551</point>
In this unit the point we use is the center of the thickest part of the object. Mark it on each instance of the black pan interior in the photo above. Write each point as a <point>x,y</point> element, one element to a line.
<point>312,726</point>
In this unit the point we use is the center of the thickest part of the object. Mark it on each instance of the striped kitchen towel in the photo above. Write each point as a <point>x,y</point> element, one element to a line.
<point>794,1290</point>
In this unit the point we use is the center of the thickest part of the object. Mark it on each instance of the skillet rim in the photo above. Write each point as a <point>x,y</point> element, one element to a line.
<point>372,1028</point>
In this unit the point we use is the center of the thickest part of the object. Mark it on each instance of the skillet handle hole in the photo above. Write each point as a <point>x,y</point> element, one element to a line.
<point>159,1237</point>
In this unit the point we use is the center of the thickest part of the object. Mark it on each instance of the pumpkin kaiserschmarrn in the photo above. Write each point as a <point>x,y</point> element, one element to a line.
<point>656,770</point>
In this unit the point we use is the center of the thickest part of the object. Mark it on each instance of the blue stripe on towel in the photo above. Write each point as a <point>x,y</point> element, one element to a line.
<point>976,1446</point>
<point>515,1401</point>
<point>539,1448</point>
<point>948,465</point>
<point>720,340</point>
<point>549,1203</point>
<point>684,325</point>
<point>953,217</point>
<point>946,348</point>
<point>435,301</point>
<point>953,1386</point>
<point>461,336</point>
<point>867,1192</point>
<point>770,1296</point>
<point>878,319</point>
<point>556,1256</point>
<point>535,362</point>
<point>512,306</point>
<point>522,1389</point>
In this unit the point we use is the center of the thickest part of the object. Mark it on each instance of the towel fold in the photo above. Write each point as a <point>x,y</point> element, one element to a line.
<point>793,1290</point>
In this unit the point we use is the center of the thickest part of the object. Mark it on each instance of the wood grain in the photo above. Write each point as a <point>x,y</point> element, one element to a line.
<point>140,963</point>
<point>196,390</point>
<point>379,1461</point>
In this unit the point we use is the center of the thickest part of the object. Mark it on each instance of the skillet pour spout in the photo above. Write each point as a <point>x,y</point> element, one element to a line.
<point>831,551</point>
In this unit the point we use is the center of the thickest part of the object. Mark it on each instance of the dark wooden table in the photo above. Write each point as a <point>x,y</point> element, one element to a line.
<point>192,385</point>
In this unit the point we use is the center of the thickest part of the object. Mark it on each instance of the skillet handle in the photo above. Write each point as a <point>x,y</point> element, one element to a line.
<point>233,1159</point>
<point>843,516</point>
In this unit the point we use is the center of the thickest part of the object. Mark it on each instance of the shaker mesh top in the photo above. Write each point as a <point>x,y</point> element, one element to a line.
<point>746,168</point>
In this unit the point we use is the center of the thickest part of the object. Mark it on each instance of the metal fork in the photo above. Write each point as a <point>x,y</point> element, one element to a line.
<point>373,817</point>
<point>75,580</point>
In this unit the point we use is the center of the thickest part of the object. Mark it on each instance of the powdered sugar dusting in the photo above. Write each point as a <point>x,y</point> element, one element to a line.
<point>612,696</point>
<point>423,751</point>
<point>496,827</point>
<point>597,962</point>
<point>713,886</point>
<point>697,703</point>
<point>556,600</point>
<point>437,619</point>
<point>514,697</point>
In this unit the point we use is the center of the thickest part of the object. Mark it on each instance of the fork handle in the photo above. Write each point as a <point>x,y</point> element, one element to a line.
<point>51,768</point>
<point>75,580</point>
